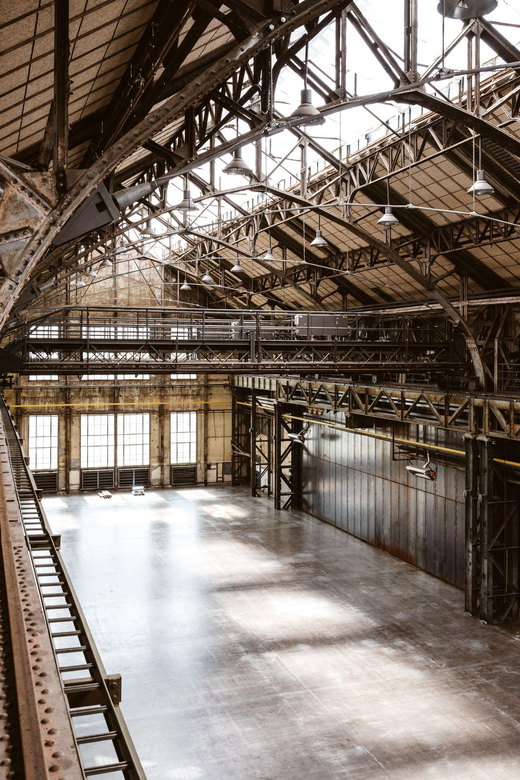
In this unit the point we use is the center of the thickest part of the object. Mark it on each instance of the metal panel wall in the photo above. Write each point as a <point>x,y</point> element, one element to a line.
<point>351,481</point>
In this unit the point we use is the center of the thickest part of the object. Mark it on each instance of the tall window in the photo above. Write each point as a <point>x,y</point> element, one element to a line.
<point>133,439</point>
<point>183,443</point>
<point>97,441</point>
<point>43,441</point>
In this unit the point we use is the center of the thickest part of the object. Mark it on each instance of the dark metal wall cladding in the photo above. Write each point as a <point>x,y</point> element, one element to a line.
<point>351,481</point>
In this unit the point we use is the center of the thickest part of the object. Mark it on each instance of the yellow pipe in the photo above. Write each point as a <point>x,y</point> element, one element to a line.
<point>329,424</point>
<point>436,447</point>
<point>363,432</point>
<point>507,462</point>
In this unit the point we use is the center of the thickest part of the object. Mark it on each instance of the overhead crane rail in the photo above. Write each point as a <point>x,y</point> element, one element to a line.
<point>471,413</point>
<point>92,696</point>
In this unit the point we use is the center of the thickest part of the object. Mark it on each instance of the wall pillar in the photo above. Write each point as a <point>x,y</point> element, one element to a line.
<point>75,451</point>
<point>155,448</point>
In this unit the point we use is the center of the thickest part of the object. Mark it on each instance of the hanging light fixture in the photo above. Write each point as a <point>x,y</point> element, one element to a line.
<point>207,278</point>
<point>269,254</point>
<point>466,9</point>
<point>187,203</point>
<point>237,268</point>
<point>186,287</point>
<point>319,241</point>
<point>306,110</point>
<point>91,273</point>
<point>119,250</point>
<point>107,262</point>
<point>481,187</point>
<point>238,166</point>
<point>81,282</point>
<point>388,219</point>
<point>148,230</point>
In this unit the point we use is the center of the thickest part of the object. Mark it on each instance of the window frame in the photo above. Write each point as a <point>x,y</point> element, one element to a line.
<point>133,439</point>
<point>90,458</point>
<point>38,460</point>
<point>183,441</point>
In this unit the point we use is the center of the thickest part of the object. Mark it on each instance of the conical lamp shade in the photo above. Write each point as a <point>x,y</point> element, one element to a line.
<point>481,187</point>
<point>148,230</point>
<point>237,166</point>
<point>388,219</point>
<point>306,110</point>
<point>186,203</point>
<point>466,9</point>
<point>237,268</point>
<point>207,278</point>
<point>319,241</point>
<point>185,286</point>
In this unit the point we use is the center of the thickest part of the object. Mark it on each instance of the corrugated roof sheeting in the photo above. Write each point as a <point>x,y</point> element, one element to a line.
<point>103,38</point>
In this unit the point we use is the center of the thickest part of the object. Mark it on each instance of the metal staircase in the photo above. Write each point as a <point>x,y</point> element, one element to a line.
<point>93,697</point>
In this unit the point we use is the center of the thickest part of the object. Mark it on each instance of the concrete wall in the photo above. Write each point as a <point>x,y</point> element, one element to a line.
<point>351,481</point>
<point>69,398</point>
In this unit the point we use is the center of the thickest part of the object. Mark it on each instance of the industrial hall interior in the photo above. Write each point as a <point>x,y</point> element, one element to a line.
<point>260,389</point>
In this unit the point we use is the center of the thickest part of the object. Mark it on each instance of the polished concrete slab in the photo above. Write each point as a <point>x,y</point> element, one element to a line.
<point>257,645</point>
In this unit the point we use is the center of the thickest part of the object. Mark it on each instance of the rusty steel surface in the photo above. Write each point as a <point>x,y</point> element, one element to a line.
<point>10,741</point>
<point>462,411</point>
<point>47,746</point>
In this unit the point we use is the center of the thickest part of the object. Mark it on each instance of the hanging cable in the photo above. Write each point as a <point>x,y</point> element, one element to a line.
<point>443,32</point>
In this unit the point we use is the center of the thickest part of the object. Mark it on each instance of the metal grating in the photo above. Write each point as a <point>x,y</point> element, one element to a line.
<point>127,478</point>
<point>46,481</point>
<point>98,479</point>
<point>183,475</point>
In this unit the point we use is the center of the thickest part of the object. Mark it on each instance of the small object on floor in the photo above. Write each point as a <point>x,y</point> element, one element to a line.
<point>105,494</point>
<point>138,490</point>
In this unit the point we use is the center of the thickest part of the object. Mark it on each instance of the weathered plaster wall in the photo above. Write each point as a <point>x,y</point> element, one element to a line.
<point>70,397</point>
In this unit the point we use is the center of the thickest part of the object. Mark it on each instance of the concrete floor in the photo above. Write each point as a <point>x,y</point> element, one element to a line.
<point>270,646</point>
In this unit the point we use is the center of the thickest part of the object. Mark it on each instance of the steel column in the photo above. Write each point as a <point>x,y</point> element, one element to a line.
<point>287,458</point>
<point>471,513</point>
<point>485,498</point>
<point>252,447</point>
<point>240,439</point>
<point>278,428</point>
<point>61,92</point>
